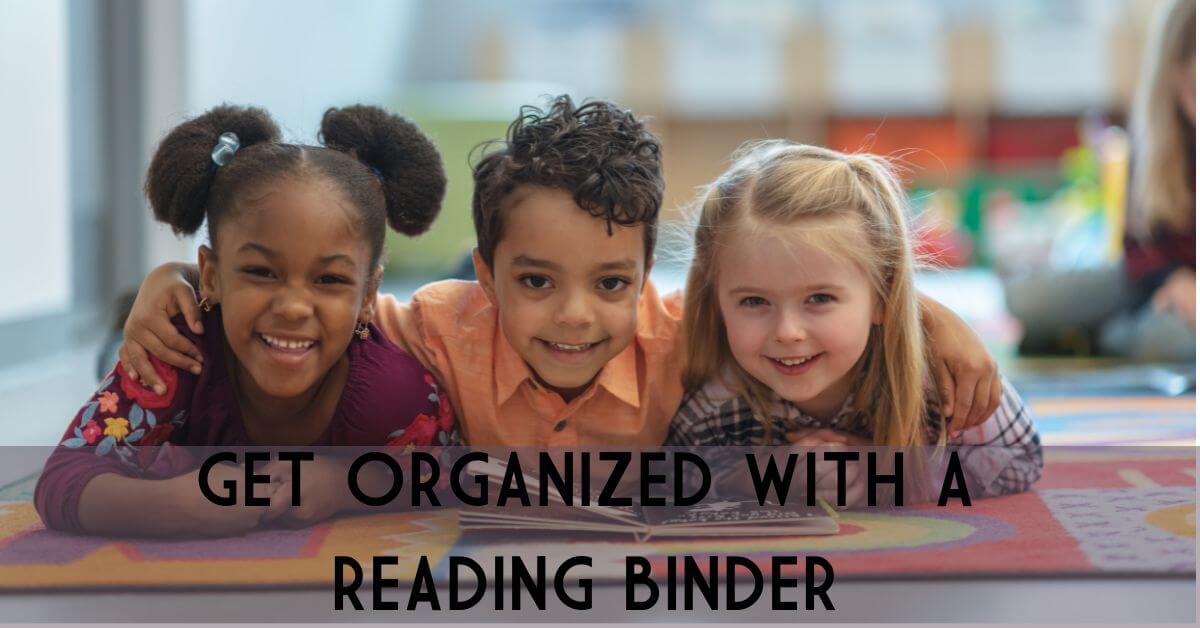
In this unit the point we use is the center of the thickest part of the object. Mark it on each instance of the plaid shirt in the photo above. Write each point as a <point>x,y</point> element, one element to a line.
<point>1000,456</point>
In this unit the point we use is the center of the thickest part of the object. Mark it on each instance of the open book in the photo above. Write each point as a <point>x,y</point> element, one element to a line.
<point>712,518</point>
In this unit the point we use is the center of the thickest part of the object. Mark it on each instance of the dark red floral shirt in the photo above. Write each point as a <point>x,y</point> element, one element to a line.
<point>389,399</point>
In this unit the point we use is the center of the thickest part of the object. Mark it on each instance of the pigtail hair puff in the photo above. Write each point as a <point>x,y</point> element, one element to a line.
<point>182,172</point>
<point>406,161</point>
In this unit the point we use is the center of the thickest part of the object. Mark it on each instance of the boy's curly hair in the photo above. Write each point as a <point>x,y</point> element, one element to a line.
<point>600,153</point>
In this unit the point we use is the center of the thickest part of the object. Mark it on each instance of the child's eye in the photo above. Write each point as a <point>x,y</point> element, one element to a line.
<point>753,302</point>
<point>821,299</point>
<point>332,279</point>
<point>613,284</point>
<point>537,282</point>
<point>258,271</point>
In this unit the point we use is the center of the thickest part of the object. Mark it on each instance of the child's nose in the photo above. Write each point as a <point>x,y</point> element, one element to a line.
<point>791,329</point>
<point>293,304</point>
<point>575,311</point>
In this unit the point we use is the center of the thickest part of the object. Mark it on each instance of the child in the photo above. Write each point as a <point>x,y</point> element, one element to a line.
<point>287,290</point>
<point>1160,245</point>
<point>1144,308</point>
<point>803,319</point>
<point>563,340</point>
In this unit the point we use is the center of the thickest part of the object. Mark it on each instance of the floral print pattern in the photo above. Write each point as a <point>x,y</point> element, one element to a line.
<point>92,432</point>
<point>108,401</point>
<point>117,428</point>
<point>126,428</point>
<point>427,430</point>
<point>125,431</point>
<point>113,428</point>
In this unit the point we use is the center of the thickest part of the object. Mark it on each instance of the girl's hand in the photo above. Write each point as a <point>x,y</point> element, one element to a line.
<point>966,373</point>
<point>165,293</point>
<point>1178,294</point>
<point>827,477</point>
<point>323,491</point>
<point>204,518</point>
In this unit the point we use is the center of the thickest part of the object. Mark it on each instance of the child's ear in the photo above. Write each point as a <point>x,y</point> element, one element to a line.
<point>366,313</point>
<point>484,275</point>
<point>210,283</point>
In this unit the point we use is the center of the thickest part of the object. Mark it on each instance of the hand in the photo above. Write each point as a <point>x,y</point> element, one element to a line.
<point>1178,294</point>
<point>827,477</point>
<point>202,517</point>
<point>967,376</point>
<point>165,293</point>
<point>323,491</point>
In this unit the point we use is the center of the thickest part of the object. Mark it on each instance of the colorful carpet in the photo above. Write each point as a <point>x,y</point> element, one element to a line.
<point>1095,512</point>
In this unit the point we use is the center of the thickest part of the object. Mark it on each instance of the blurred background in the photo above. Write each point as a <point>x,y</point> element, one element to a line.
<point>1008,116</point>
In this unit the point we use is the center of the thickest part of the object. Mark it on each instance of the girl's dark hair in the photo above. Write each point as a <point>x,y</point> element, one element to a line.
<point>602,154</point>
<point>383,164</point>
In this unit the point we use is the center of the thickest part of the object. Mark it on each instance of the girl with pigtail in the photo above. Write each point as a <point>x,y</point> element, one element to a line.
<point>803,323</point>
<point>287,286</point>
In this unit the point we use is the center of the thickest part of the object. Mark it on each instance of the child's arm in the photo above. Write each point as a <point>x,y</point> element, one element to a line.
<point>967,376</point>
<point>112,504</point>
<point>1003,454</point>
<point>1178,295</point>
<point>116,473</point>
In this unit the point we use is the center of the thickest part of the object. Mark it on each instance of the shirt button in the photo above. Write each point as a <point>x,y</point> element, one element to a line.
<point>562,425</point>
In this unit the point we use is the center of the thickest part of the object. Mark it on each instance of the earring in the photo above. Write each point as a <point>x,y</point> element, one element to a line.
<point>362,331</point>
<point>205,305</point>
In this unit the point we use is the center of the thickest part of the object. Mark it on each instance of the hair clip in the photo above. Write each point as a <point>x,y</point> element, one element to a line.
<point>227,145</point>
<point>377,172</point>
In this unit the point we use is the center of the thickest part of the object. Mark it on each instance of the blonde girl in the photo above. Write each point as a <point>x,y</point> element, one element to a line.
<point>803,322</point>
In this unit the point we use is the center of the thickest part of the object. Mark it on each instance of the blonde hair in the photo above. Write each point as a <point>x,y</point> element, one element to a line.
<point>777,184</point>
<point>1162,184</point>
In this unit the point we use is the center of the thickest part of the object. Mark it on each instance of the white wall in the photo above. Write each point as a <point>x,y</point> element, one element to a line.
<point>35,242</point>
<point>295,57</point>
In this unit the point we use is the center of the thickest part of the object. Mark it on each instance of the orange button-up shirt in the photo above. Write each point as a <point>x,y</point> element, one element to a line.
<point>453,329</point>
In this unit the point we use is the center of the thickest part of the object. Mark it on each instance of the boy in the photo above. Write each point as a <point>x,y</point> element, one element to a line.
<point>563,341</point>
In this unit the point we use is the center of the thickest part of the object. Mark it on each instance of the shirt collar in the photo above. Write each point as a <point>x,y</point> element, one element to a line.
<point>620,378</point>
<point>510,372</point>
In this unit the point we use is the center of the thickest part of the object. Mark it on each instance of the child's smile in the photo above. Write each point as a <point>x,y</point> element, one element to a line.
<point>567,291</point>
<point>571,353</point>
<point>794,365</point>
<point>286,348</point>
